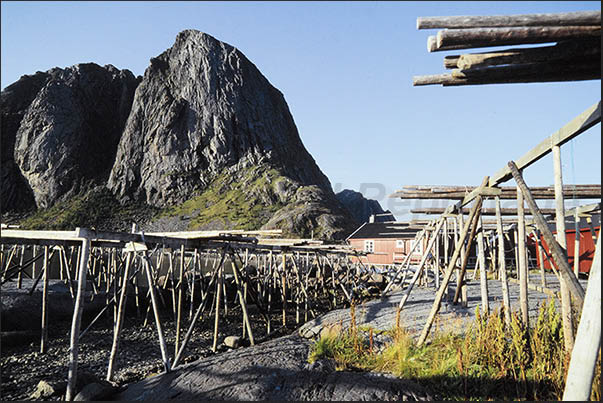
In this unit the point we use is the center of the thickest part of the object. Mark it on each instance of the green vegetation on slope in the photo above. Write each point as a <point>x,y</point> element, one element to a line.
<point>490,361</point>
<point>96,208</point>
<point>245,202</point>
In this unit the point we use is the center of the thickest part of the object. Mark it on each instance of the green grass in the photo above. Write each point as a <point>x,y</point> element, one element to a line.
<point>489,361</point>
<point>247,202</point>
<point>94,208</point>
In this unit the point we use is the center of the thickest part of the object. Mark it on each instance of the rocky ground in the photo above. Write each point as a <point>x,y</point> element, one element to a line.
<point>276,368</point>
<point>139,354</point>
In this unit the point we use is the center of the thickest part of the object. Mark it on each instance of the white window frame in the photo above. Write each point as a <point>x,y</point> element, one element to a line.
<point>399,243</point>
<point>419,250</point>
<point>369,245</point>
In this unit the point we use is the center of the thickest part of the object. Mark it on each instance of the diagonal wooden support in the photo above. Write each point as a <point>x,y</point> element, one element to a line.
<point>448,274</point>
<point>77,320</point>
<point>426,254</point>
<point>588,338</point>
<point>558,254</point>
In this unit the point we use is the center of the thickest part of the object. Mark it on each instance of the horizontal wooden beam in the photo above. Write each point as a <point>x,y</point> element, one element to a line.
<point>568,52</point>
<point>464,196</point>
<point>484,211</point>
<point>512,74</point>
<point>484,37</point>
<point>517,20</point>
<point>576,126</point>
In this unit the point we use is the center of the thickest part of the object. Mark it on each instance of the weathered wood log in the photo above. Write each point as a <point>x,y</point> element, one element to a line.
<point>558,253</point>
<point>242,302</point>
<point>517,20</point>
<point>180,291</point>
<point>483,277</point>
<point>576,244</point>
<point>426,253</point>
<point>540,251</point>
<point>485,211</point>
<point>120,315</point>
<point>527,70</point>
<point>418,240</point>
<point>588,119</point>
<point>502,265</point>
<point>162,344</point>
<point>200,309</point>
<point>568,51</point>
<point>582,365</point>
<point>439,295</point>
<point>566,304</point>
<point>448,80</point>
<point>77,320</point>
<point>522,260</point>
<point>461,288</point>
<point>44,337</point>
<point>484,37</point>
<point>219,286</point>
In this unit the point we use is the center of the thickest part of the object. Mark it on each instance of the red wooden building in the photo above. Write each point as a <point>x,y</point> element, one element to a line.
<point>386,242</point>
<point>588,235</point>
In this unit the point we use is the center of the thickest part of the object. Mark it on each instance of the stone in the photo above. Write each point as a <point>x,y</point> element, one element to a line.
<point>331,330</point>
<point>96,391</point>
<point>46,389</point>
<point>232,341</point>
<point>274,370</point>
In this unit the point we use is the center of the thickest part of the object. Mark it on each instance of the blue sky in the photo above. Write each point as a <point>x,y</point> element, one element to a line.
<point>346,71</point>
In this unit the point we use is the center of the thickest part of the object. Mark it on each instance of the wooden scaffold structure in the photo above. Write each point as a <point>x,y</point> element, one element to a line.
<point>575,56</point>
<point>284,276</point>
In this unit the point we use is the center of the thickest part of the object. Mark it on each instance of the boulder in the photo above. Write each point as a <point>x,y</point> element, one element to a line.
<point>232,341</point>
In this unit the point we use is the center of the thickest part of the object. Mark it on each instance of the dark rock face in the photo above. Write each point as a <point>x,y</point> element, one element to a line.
<point>360,207</point>
<point>274,370</point>
<point>203,110</point>
<point>65,125</point>
<point>203,136</point>
<point>203,106</point>
<point>15,100</point>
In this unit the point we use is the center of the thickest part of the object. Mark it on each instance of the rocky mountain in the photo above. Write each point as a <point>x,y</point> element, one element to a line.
<point>60,131</point>
<point>360,207</point>
<point>202,140</point>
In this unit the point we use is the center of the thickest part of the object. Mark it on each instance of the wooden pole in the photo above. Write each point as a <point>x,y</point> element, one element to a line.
<point>465,252</point>
<point>242,300</point>
<point>577,244</point>
<point>536,236</point>
<point>432,241</point>
<point>484,37</point>
<point>77,319</point>
<point>566,304</point>
<point>284,289</point>
<point>483,276</point>
<point>522,263</point>
<point>120,316</point>
<point>162,343</point>
<point>46,268</point>
<point>517,20</point>
<point>582,365</point>
<point>569,51</point>
<point>457,250</point>
<point>502,264</point>
<point>180,289</point>
<point>418,240</point>
<point>198,312</point>
<point>20,275</point>
<point>556,251</point>
<point>217,310</point>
